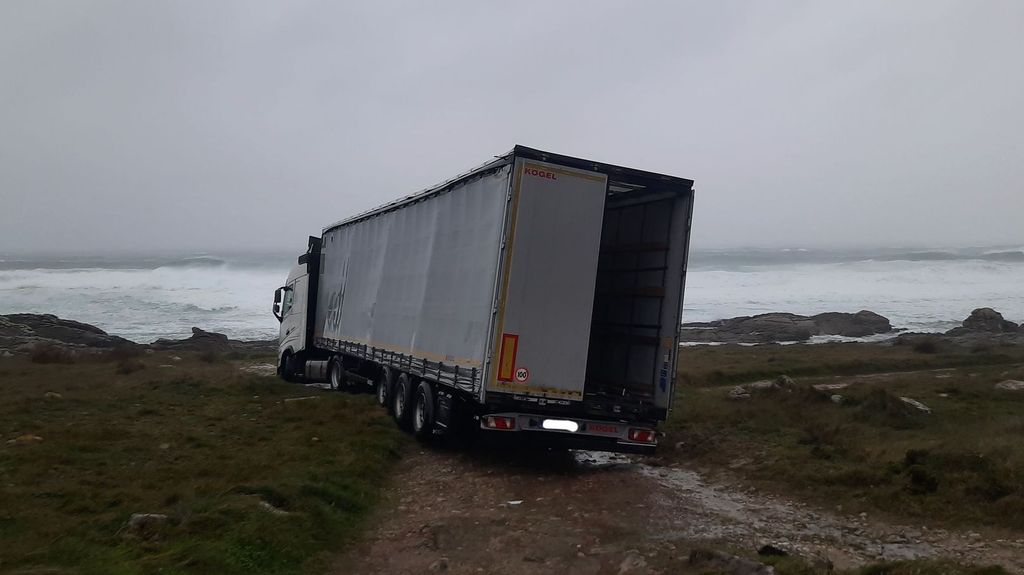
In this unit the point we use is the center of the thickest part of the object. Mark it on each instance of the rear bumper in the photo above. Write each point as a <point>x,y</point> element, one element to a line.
<point>594,435</point>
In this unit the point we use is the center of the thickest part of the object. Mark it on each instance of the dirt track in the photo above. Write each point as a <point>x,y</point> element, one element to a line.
<point>584,512</point>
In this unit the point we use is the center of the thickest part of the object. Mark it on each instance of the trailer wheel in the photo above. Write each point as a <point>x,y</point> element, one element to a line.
<point>423,412</point>
<point>383,387</point>
<point>402,401</point>
<point>335,376</point>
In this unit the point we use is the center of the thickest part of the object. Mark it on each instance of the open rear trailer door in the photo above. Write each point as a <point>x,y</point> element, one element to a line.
<point>590,289</point>
<point>546,289</point>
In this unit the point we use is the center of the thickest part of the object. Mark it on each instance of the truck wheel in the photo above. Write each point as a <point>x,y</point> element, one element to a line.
<point>287,368</point>
<point>383,387</point>
<point>335,376</point>
<point>423,412</point>
<point>402,401</point>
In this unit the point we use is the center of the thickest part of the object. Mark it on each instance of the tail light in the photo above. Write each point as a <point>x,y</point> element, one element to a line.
<point>499,422</point>
<point>641,435</point>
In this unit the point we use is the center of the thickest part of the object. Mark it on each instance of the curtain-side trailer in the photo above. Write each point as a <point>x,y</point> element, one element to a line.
<point>536,298</point>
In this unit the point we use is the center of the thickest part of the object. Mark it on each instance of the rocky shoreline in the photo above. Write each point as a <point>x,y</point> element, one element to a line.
<point>984,326</point>
<point>785,327</point>
<point>21,334</point>
<point>24,333</point>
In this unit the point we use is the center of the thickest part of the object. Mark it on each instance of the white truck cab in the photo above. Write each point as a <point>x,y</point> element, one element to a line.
<point>290,303</point>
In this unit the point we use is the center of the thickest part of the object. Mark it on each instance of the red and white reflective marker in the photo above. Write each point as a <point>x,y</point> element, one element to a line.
<point>522,374</point>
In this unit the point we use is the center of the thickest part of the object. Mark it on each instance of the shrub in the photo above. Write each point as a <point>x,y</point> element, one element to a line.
<point>129,366</point>
<point>210,356</point>
<point>926,345</point>
<point>122,353</point>
<point>52,354</point>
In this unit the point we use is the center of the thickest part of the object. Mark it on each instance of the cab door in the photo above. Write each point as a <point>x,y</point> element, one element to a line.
<point>292,334</point>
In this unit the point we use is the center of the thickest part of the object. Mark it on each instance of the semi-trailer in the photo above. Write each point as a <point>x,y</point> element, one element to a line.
<point>537,297</point>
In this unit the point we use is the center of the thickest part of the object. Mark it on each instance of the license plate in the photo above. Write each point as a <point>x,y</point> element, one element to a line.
<point>602,428</point>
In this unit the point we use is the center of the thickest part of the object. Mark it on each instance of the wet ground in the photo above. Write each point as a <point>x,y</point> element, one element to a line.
<point>590,512</point>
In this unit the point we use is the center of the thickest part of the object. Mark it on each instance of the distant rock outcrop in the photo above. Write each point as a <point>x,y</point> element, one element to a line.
<point>785,327</point>
<point>23,333</point>
<point>985,319</point>
<point>199,341</point>
<point>208,341</point>
<point>984,328</point>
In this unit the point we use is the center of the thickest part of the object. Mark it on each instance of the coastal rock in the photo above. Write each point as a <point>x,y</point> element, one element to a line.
<point>785,327</point>
<point>200,340</point>
<point>208,341</point>
<point>21,333</point>
<point>860,324</point>
<point>987,319</point>
<point>28,333</point>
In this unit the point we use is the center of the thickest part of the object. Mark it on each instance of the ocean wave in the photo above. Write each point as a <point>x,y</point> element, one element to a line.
<point>1010,256</point>
<point>195,262</point>
<point>219,309</point>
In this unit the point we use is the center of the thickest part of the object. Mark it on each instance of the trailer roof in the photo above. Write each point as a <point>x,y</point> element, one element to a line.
<point>507,158</point>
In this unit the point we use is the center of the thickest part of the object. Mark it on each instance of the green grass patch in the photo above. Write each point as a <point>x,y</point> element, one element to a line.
<point>249,483</point>
<point>962,464</point>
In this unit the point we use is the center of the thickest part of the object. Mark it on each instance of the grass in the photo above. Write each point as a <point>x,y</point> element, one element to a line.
<point>720,365</point>
<point>250,483</point>
<point>961,465</point>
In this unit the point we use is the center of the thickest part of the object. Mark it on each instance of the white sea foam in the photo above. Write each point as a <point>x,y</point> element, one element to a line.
<point>915,295</point>
<point>146,304</point>
<point>147,298</point>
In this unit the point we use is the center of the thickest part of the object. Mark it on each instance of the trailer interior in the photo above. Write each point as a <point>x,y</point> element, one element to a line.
<point>632,298</point>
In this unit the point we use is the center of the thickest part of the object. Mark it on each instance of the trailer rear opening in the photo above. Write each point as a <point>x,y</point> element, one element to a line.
<point>537,295</point>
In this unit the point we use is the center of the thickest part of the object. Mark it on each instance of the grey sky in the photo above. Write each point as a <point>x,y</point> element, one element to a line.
<point>198,125</point>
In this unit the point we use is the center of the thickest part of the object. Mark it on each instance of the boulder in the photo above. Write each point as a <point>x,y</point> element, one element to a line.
<point>145,525</point>
<point>26,439</point>
<point>860,324</point>
<point>988,319</point>
<point>1010,385</point>
<point>739,393</point>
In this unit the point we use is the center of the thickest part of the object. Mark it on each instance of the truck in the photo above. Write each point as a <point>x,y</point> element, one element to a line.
<point>534,299</point>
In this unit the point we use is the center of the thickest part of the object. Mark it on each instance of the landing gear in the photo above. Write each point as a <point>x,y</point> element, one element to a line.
<point>383,385</point>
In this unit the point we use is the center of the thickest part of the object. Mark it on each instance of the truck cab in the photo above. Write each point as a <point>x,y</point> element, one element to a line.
<point>290,308</point>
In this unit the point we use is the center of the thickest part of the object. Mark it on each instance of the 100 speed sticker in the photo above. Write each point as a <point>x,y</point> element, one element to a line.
<point>522,375</point>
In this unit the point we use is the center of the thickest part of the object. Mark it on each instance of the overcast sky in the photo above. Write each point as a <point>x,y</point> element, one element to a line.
<point>211,125</point>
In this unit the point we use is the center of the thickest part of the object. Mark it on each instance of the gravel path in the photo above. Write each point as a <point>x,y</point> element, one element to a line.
<point>589,512</point>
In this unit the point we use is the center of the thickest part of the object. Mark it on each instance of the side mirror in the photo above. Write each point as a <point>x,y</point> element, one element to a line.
<point>277,304</point>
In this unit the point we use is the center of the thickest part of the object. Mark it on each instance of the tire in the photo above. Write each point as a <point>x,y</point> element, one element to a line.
<point>423,412</point>
<point>383,388</point>
<point>335,376</point>
<point>401,402</point>
<point>287,368</point>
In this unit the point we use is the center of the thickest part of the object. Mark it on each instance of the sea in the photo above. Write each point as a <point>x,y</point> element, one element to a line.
<point>151,296</point>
